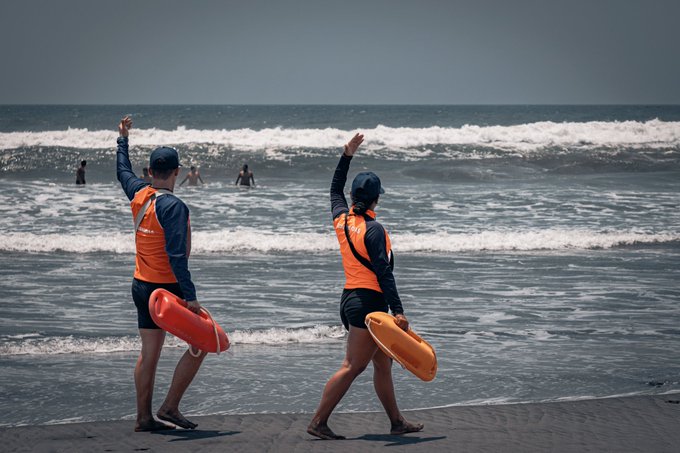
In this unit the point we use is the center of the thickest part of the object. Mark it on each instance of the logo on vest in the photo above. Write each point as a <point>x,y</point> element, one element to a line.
<point>144,230</point>
<point>353,229</point>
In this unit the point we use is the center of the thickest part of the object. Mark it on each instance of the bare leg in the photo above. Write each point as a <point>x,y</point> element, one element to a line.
<point>145,375</point>
<point>184,373</point>
<point>384,388</point>
<point>360,350</point>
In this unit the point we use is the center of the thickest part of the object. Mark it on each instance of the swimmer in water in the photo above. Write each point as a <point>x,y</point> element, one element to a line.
<point>146,176</point>
<point>80,173</point>
<point>245,176</point>
<point>193,176</point>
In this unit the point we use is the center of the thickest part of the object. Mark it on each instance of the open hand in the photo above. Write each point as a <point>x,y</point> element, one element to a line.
<point>352,145</point>
<point>125,126</point>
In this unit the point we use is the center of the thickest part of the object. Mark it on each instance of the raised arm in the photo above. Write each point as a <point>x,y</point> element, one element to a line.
<point>128,180</point>
<point>338,200</point>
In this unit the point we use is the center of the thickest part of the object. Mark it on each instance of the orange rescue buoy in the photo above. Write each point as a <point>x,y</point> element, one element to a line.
<point>169,312</point>
<point>406,347</point>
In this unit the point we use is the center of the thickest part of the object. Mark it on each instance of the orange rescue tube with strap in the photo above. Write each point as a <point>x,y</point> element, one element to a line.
<point>406,347</point>
<point>169,312</point>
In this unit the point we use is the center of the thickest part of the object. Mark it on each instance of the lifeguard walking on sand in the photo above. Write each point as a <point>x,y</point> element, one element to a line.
<point>163,243</point>
<point>367,259</point>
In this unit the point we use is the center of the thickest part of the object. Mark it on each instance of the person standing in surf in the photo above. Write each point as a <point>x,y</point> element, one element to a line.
<point>80,173</point>
<point>163,244</point>
<point>245,176</point>
<point>193,177</point>
<point>370,286</point>
<point>145,175</point>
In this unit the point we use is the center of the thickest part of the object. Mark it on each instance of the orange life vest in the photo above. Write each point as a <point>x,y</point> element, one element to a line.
<point>151,260</point>
<point>356,274</point>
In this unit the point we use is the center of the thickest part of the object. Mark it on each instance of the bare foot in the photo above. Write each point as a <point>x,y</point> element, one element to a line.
<point>404,427</point>
<point>175,417</point>
<point>322,431</point>
<point>152,425</point>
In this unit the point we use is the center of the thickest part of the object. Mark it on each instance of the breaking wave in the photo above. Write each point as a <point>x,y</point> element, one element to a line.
<point>523,137</point>
<point>252,240</point>
<point>36,344</point>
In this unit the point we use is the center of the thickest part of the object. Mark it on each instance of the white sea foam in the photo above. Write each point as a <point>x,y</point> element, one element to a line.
<point>550,239</point>
<point>274,336</point>
<point>254,240</point>
<point>522,137</point>
<point>510,400</point>
<point>68,345</point>
<point>495,317</point>
<point>39,345</point>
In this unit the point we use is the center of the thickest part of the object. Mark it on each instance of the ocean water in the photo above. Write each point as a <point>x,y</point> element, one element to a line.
<point>537,249</point>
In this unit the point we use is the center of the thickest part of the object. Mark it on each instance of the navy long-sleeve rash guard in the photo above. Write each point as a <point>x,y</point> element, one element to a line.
<point>374,238</point>
<point>172,214</point>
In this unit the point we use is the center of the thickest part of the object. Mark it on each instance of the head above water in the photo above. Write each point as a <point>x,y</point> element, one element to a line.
<point>193,168</point>
<point>83,163</point>
<point>245,167</point>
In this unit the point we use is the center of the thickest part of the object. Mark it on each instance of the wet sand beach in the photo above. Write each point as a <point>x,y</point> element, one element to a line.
<point>628,424</point>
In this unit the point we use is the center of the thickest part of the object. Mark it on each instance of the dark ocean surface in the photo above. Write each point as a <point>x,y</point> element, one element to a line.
<point>537,249</point>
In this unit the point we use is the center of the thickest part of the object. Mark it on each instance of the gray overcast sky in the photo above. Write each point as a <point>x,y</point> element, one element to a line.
<point>340,52</point>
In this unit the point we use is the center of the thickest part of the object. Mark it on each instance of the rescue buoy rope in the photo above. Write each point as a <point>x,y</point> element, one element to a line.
<point>217,336</point>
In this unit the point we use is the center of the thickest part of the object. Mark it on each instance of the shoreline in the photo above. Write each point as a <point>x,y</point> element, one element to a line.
<point>671,394</point>
<point>622,424</point>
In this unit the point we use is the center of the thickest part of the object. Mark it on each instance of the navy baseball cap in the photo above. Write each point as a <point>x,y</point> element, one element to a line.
<point>366,187</point>
<point>164,158</point>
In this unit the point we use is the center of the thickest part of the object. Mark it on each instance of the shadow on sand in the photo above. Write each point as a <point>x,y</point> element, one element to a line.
<point>194,434</point>
<point>397,440</point>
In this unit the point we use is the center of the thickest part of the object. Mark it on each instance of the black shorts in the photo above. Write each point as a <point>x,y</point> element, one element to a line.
<point>355,304</point>
<point>141,291</point>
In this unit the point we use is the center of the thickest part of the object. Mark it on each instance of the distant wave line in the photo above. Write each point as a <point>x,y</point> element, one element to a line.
<point>523,137</point>
<point>234,241</point>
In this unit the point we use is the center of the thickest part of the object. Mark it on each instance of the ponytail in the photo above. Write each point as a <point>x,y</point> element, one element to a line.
<point>360,207</point>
